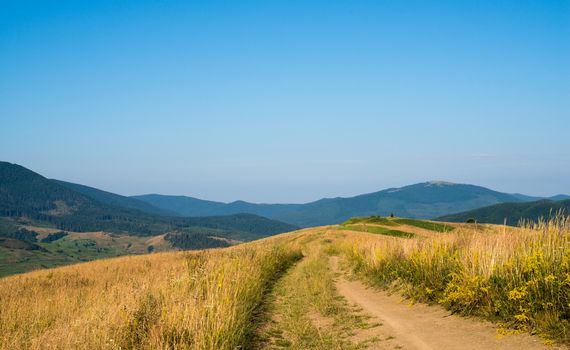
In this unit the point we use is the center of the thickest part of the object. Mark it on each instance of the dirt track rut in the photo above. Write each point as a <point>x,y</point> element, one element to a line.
<point>427,327</point>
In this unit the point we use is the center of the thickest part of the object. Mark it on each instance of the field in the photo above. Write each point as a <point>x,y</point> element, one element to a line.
<point>74,248</point>
<point>294,291</point>
<point>519,278</point>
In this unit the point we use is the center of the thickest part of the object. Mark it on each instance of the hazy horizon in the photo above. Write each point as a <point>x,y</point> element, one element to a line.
<point>347,194</point>
<point>287,102</point>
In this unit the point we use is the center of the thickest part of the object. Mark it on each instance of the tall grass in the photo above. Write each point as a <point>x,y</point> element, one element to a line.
<point>209,299</point>
<point>202,300</point>
<point>520,278</point>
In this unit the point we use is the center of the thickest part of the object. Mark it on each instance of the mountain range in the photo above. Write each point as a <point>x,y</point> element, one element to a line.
<point>27,195</point>
<point>30,198</point>
<point>426,200</point>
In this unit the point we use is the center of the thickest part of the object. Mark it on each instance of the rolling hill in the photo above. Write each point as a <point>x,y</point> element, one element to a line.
<point>511,212</point>
<point>30,197</point>
<point>115,199</point>
<point>423,200</point>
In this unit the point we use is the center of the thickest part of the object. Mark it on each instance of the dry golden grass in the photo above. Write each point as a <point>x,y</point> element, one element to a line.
<point>520,277</point>
<point>198,300</point>
<point>80,306</point>
<point>208,299</point>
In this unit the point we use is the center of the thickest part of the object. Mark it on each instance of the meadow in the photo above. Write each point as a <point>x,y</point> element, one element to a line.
<point>75,248</point>
<point>280,292</point>
<point>199,300</point>
<point>519,278</point>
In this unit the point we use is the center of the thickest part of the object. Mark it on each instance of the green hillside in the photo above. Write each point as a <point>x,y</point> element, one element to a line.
<point>31,198</point>
<point>512,213</point>
<point>115,199</point>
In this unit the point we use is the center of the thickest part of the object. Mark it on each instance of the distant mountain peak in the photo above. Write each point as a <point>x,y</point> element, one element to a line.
<point>440,183</point>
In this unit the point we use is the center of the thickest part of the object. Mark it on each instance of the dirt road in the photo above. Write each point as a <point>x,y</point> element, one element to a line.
<point>427,327</point>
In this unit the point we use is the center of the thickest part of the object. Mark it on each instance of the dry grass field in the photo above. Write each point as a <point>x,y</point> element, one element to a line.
<point>198,300</point>
<point>518,277</point>
<point>280,292</point>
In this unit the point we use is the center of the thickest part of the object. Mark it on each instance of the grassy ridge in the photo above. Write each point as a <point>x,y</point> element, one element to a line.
<point>394,222</point>
<point>521,279</point>
<point>379,220</point>
<point>378,230</point>
<point>428,225</point>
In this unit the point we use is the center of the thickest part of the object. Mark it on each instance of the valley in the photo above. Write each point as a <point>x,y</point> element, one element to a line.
<point>74,247</point>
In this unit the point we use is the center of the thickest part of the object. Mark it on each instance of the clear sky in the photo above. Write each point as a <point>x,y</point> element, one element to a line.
<point>287,101</point>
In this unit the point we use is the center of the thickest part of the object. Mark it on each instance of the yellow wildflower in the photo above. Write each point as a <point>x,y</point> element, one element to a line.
<point>550,278</point>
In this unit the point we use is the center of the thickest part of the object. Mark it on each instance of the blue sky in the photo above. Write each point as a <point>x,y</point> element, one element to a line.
<point>287,101</point>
